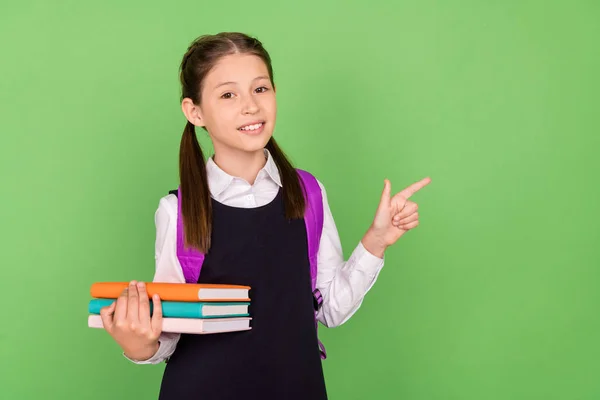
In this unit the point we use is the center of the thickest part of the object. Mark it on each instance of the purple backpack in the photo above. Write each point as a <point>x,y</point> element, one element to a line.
<point>191,259</point>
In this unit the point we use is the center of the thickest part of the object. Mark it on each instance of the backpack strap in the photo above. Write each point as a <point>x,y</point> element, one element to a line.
<point>313,218</point>
<point>191,259</point>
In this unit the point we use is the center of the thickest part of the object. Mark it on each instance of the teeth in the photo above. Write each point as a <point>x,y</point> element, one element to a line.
<point>251,127</point>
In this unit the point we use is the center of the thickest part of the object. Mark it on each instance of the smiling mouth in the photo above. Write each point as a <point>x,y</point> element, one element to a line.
<point>252,127</point>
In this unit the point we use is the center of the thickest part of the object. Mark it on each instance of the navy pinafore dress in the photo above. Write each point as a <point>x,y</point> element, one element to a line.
<point>279,357</point>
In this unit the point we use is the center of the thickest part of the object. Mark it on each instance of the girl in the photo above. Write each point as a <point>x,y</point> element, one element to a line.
<point>244,209</point>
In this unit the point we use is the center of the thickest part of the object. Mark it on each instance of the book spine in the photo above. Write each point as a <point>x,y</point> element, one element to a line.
<point>166,291</point>
<point>170,309</point>
<point>174,325</point>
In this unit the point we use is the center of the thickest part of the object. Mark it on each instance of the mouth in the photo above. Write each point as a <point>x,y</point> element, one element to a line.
<point>252,128</point>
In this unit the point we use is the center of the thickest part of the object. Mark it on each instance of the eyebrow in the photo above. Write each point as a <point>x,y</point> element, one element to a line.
<point>228,83</point>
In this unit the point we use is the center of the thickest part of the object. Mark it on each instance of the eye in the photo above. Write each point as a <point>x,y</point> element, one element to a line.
<point>262,89</point>
<point>227,95</point>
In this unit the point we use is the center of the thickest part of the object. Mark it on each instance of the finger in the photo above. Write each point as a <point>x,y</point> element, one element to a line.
<point>121,306</point>
<point>415,187</point>
<point>411,218</point>
<point>133,303</point>
<point>144,308</point>
<point>410,225</point>
<point>398,204</point>
<point>156,315</point>
<point>106,313</point>
<point>409,209</point>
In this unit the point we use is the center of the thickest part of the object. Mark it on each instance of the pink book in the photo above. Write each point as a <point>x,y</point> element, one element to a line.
<point>191,325</point>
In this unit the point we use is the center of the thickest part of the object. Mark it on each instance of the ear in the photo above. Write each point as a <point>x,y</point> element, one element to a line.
<point>192,112</point>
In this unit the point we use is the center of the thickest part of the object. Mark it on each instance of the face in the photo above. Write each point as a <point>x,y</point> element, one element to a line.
<point>238,106</point>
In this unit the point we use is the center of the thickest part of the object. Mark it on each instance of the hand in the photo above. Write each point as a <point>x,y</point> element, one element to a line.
<point>128,321</point>
<point>394,217</point>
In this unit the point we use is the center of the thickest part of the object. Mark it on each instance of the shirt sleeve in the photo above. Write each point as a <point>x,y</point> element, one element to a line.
<point>342,283</point>
<point>167,269</point>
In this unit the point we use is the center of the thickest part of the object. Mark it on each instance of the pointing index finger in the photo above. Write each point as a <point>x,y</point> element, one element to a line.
<point>415,187</point>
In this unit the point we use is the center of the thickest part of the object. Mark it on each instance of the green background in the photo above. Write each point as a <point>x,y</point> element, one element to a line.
<point>494,296</point>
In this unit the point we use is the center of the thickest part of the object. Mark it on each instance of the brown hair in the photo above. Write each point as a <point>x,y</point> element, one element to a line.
<point>196,209</point>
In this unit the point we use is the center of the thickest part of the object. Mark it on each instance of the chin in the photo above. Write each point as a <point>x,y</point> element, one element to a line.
<point>257,145</point>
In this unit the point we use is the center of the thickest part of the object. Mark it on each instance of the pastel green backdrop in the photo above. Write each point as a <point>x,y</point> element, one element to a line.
<point>494,296</point>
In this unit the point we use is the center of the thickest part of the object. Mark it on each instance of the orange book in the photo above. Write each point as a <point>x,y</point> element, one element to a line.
<point>176,291</point>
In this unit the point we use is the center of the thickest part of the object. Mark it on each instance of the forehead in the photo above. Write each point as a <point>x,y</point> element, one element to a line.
<point>238,68</point>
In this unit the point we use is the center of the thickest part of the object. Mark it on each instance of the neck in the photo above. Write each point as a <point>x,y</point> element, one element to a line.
<point>241,164</point>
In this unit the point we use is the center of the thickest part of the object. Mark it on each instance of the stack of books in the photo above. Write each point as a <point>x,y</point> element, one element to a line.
<point>186,307</point>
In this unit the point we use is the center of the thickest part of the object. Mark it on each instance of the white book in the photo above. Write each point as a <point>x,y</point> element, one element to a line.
<point>191,325</point>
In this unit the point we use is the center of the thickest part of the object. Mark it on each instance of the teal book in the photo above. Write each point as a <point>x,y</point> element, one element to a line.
<point>181,309</point>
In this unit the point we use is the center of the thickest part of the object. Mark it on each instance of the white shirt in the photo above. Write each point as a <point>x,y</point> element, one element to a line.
<point>343,284</point>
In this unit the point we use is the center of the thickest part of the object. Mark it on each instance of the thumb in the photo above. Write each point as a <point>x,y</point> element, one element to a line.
<point>106,313</point>
<point>385,195</point>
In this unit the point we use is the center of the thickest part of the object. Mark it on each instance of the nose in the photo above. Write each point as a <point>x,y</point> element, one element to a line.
<point>249,105</point>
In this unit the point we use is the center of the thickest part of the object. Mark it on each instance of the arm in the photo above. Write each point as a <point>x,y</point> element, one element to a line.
<point>343,284</point>
<point>167,269</point>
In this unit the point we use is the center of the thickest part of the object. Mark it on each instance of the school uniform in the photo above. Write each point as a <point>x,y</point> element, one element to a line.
<point>254,244</point>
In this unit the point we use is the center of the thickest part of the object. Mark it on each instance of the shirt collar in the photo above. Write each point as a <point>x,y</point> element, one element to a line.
<point>271,168</point>
<point>219,180</point>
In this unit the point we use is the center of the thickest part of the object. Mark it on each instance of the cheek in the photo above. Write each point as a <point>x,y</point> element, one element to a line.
<point>228,120</point>
<point>222,118</point>
<point>270,105</point>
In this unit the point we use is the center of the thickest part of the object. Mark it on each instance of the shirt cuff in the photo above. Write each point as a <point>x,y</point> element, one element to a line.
<point>158,357</point>
<point>367,260</point>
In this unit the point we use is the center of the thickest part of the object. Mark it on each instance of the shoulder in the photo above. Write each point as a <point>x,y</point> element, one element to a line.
<point>309,176</point>
<point>316,187</point>
<point>321,185</point>
<point>167,207</point>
